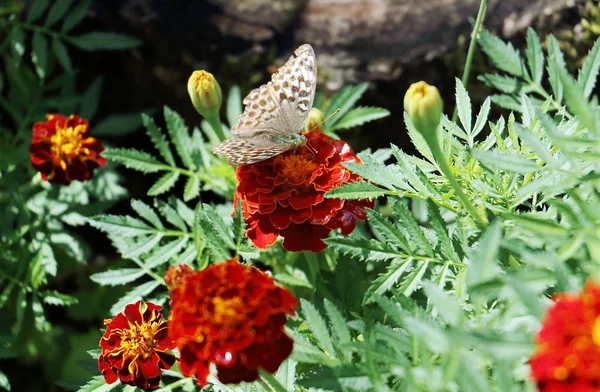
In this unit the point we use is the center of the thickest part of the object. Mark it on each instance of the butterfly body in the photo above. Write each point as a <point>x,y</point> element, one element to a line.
<point>274,113</point>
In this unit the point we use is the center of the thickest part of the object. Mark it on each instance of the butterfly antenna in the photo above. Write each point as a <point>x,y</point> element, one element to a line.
<point>328,117</point>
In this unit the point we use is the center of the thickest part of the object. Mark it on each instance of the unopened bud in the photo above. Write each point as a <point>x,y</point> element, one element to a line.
<point>315,120</point>
<point>205,93</point>
<point>424,106</point>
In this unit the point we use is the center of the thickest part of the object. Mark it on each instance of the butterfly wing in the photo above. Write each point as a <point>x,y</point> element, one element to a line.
<point>281,106</point>
<point>244,151</point>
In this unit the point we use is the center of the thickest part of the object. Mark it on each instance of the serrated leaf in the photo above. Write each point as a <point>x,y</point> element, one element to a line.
<point>124,226</point>
<point>418,139</point>
<point>382,226</point>
<point>117,277</point>
<point>100,40</point>
<point>192,188</point>
<point>577,102</point>
<point>55,298</point>
<point>90,99</point>
<point>504,83</point>
<point>362,249</point>
<point>234,105</point>
<point>339,328</point>
<point>463,106</point>
<point>439,227</point>
<point>306,352</point>
<point>507,102</point>
<point>36,10</point>
<point>171,215</point>
<point>76,15</point>
<point>39,54</point>
<point>164,183</point>
<point>212,219</point>
<point>432,336</point>
<point>556,62</point>
<point>359,116</point>
<point>179,136</point>
<point>62,55</point>
<point>158,139</point>
<point>317,326</point>
<point>446,305</point>
<point>97,384</point>
<point>411,226</point>
<point>510,163</point>
<point>589,71</point>
<point>343,100</point>
<point>481,117</point>
<point>526,296</point>
<point>165,252</point>
<point>384,282</point>
<point>483,260</point>
<point>536,144</point>
<point>135,159</point>
<point>356,191</point>
<point>411,282</point>
<point>535,56</point>
<point>146,212</point>
<point>134,295</point>
<point>58,10</point>
<point>502,54</point>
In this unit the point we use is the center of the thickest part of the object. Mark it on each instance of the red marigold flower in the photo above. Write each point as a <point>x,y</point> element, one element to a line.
<point>284,195</point>
<point>134,346</point>
<point>63,150</point>
<point>231,315</point>
<point>568,345</point>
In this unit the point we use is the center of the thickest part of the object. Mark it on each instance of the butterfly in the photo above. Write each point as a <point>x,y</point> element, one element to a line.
<point>274,113</point>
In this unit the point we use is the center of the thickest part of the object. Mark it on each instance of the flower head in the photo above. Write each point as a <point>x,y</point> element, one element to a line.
<point>568,345</point>
<point>314,121</point>
<point>424,106</point>
<point>231,315</point>
<point>284,195</point>
<point>135,346</point>
<point>205,93</point>
<point>63,150</point>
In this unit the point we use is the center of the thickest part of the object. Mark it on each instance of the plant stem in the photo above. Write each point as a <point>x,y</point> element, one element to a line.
<point>472,46</point>
<point>270,382</point>
<point>436,150</point>
<point>217,126</point>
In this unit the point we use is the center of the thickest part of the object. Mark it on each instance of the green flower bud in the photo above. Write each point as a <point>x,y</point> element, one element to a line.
<point>314,121</point>
<point>205,93</point>
<point>424,106</point>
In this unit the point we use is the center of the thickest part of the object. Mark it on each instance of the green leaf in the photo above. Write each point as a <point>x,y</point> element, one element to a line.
<point>589,71</point>
<point>556,62</point>
<point>58,10</point>
<point>118,124</point>
<point>179,136</point>
<point>146,212</point>
<point>317,326</point>
<point>544,227</point>
<point>439,227</point>
<point>55,298</point>
<point>39,54</point>
<point>508,102</point>
<point>164,183</point>
<point>362,249</point>
<point>134,159</point>
<point>97,384</point>
<point>504,83</point>
<point>483,260</point>
<point>482,117</point>
<point>165,252</point>
<point>343,100</point>
<point>171,215</point>
<point>90,99</point>
<point>535,143</point>
<point>431,335</point>
<point>76,15</point>
<point>306,352</point>
<point>234,105</point>
<point>385,228</point>
<point>526,296</point>
<point>62,55</point>
<point>411,226</point>
<point>4,383</point>
<point>36,10</point>
<point>503,55</point>
<point>412,281</point>
<point>338,325</point>
<point>124,226</point>
<point>446,305</point>
<point>137,294</point>
<point>510,163</point>
<point>356,191</point>
<point>117,277</point>
<point>143,246</point>
<point>463,106</point>
<point>384,282</point>
<point>159,139</point>
<point>577,103</point>
<point>212,219</point>
<point>98,40</point>
<point>359,116</point>
<point>535,56</point>
<point>192,188</point>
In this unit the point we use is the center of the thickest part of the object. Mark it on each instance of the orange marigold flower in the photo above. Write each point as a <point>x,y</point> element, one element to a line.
<point>568,345</point>
<point>231,315</point>
<point>135,346</point>
<point>284,195</point>
<point>62,149</point>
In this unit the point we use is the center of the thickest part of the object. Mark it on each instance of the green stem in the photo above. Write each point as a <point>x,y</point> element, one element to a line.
<point>175,384</point>
<point>270,382</point>
<point>217,126</point>
<point>436,150</point>
<point>472,46</point>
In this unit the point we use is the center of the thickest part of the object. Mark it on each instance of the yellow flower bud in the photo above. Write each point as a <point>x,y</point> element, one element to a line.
<point>314,121</point>
<point>424,106</point>
<point>205,93</point>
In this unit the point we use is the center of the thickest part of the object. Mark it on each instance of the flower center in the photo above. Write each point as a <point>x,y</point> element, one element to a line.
<point>296,167</point>
<point>228,311</point>
<point>139,339</point>
<point>596,331</point>
<point>67,142</point>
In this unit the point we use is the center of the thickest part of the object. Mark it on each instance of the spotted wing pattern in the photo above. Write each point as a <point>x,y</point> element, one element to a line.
<point>281,106</point>
<point>244,151</point>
